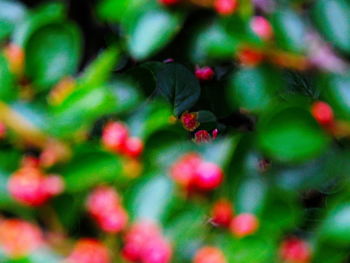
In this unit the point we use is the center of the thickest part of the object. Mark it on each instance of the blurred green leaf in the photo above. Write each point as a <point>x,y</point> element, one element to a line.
<point>52,52</point>
<point>7,91</point>
<point>291,134</point>
<point>11,14</point>
<point>333,19</point>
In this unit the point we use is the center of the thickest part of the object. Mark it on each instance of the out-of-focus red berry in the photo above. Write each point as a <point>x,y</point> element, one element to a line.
<point>249,56</point>
<point>114,136</point>
<point>209,254</point>
<point>295,250</point>
<point>169,2</point>
<point>19,238</point>
<point>157,250</point>
<point>189,120</point>
<point>144,243</point>
<point>89,251</point>
<point>2,130</point>
<point>208,176</point>
<point>225,7</point>
<point>102,198</point>
<point>183,170</point>
<point>15,57</point>
<point>214,133</point>
<point>322,112</point>
<point>202,136</point>
<point>204,73</point>
<point>53,184</point>
<point>222,213</point>
<point>244,225</point>
<point>262,27</point>
<point>133,147</point>
<point>28,186</point>
<point>113,221</point>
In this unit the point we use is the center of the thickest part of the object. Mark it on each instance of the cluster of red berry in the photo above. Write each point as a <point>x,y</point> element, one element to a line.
<point>104,205</point>
<point>145,243</point>
<point>115,137</point>
<point>193,173</point>
<point>30,186</point>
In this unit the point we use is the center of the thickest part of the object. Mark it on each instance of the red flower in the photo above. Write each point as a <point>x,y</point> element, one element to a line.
<point>225,7</point>
<point>19,238</point>
<point>322,112</point>
<point>202,136</point>
<point>89,250</point>
<point>204,73</point>
<point>244,225</point>
<point>189,120</point>
<point>295,250</point>
<point>209,254</point>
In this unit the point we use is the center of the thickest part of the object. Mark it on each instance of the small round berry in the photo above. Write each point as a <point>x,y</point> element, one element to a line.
<point>102,199</point>
<point>53,184</point>
<point>183,170</point>
<point>2,130</point>
<point>322,112</point>
<point>157,250</point>
<point>204,73</point>
<point>27,186</point>
<point>209,254</point>
<point>133,147</point>
<point>15,57</point>
<point>244,225</point>
<point>208,176</point>
<point>214,133</point>
<point>89,250</point>
<point>113,221</point>
<point>202,136</point>
<point>114,136</point>
<point>295,250</point>
<point>225,7</point>
<point>169,2</point>
<point>262,27</point>
<point>222,213</point>
<point>250,57</point>
<point>19,238</point>
<point>189,120</point>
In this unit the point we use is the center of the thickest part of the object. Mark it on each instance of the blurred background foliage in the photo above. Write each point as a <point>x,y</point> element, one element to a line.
<point>67,68</point>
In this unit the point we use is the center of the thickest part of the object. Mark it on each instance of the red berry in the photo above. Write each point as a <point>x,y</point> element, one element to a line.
<point>262,27</point>
<point>208,176</point>
<point>222,213</point>
<point>183,170</point>
<point>214,133</point>
<point>322,112</point>
<point>204,73</point>
<point>2,130</point>
<point>19,238</point>
<point>102,198</point>
<point>89,250</point>
<point>28,186</point>
<point>209,254</point>
<point>225,7</point>
<point>114,136</point>
<point>113,221</point>
<point>169,2</point>
<point>244,225</point>
<point>157,250</point>
<point>249,56</point>
<point>202,136</point>
<point>133,147</point>
<point>295,250</point>
<point>189,120</point>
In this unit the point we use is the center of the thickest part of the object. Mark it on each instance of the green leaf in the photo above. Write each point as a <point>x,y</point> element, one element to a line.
<point>333,19</point>
<point>151,198</point>
<point>151,30</point>
<point>52,52</point>
<point>289,30</point>
<point>87,170</point>
<point>291,134</point>
<point>179,86</point>
<point>7,90</point>
<point>11,14</point>
<point>336,226</point>
<point>206,116</point>
<point>254,88</point>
